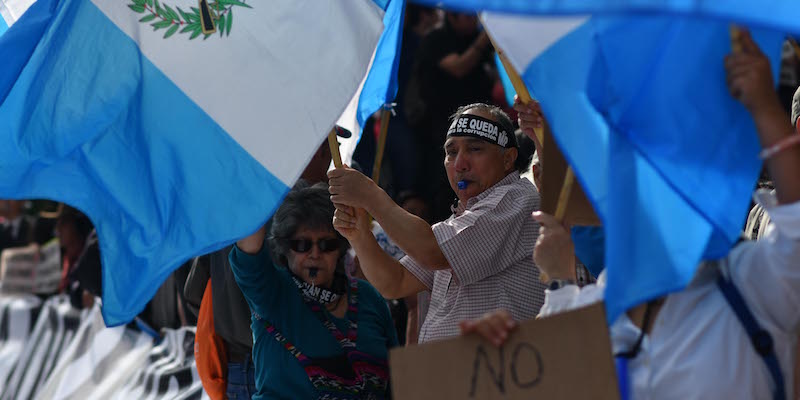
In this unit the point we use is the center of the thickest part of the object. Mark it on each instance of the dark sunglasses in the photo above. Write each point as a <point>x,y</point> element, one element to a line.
<point>304,245</point>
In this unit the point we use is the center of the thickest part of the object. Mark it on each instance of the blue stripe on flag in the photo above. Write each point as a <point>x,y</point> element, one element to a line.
<point>381,3</point>
<point>508,87</point>
<point>143,161</point>
<point>778,14</point>
<point>380,86</point>
<point>17,44</point>
<point>665,154</point>
<point>3,26</point>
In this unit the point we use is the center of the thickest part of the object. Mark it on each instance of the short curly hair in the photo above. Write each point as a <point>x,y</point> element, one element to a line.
<point>304,206</point>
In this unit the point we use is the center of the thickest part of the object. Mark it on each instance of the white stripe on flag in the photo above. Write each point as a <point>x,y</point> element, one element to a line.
<point>349,121</point>
<point>528,36</point>
<point>316,55</point>
<point>11,10</point>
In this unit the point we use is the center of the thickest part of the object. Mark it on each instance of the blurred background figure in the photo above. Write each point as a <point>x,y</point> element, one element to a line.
<point>19,227</point>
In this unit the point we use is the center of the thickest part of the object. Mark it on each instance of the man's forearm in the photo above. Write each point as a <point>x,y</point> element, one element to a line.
<point>253,243</point>
<point>384,272</point>
<point>783,166</point>
<point>409,232</point>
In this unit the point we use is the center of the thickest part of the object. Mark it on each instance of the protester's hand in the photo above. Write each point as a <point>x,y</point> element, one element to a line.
<point>529,118</point>
<point>749,76</point>
<point>352,223</point>
<point>494,326</point>
<point>350,187</point>
<point>253,243</point>
<point>554,252</point>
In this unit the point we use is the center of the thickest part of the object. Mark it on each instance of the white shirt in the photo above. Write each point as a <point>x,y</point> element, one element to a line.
<point>698,349</point>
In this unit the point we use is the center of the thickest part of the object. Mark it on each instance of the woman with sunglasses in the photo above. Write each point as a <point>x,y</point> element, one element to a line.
<point>316,332</point>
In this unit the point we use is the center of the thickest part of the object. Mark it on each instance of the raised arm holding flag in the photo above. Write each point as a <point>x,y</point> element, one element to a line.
<point>476,259</point>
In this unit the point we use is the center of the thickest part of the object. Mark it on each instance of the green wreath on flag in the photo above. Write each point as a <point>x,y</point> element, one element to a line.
<point>205,19</point>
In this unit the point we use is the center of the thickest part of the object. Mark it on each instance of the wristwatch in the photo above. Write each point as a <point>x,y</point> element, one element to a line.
<point>556,284</point>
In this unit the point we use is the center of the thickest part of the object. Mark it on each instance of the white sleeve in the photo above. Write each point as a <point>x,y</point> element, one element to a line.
<point>767,272</point>
<point>569,298</point>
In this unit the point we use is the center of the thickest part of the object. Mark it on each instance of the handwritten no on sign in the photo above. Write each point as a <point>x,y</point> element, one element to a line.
<point>566,356</point>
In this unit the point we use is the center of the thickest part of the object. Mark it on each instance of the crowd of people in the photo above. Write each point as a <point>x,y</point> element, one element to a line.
<point>452,242</point>
<point>27,227</point>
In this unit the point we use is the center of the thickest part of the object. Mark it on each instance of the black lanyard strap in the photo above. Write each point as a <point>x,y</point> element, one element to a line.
<point>759,337</point>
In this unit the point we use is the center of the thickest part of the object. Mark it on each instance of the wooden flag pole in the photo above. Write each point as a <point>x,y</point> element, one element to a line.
<point>376,167</point>
<point>563,196</point>
<point>525,97</point>
<point>519,86</point>
<point>334,145</point>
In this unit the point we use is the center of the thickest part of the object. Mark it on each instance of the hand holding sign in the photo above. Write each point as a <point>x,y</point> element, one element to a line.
<point>495,326</point>
<point>540,359</point>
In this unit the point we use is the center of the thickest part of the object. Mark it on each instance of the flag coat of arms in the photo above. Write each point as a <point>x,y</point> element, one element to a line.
<point>177,126</point>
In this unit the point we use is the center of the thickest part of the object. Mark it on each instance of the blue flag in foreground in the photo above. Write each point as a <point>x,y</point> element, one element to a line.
<point>782,15</point>
<point>508,87</point>
<point>175,129</point>
<point>641,111</point>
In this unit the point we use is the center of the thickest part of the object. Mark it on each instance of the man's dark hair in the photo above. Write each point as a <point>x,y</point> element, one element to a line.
<point>83,225</point>
<point>304,206</point>
<point>407,195</point>
<point>500,116</point>
<point>525,153</point>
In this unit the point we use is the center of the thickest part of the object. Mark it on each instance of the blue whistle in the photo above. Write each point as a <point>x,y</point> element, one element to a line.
<point>462,185</point>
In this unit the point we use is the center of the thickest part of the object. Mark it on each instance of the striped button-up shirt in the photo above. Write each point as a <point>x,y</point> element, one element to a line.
<point>488,243</point>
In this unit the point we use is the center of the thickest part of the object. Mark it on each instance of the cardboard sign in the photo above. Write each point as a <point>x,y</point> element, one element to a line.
<point>554,169</point>
<point>566,356</point>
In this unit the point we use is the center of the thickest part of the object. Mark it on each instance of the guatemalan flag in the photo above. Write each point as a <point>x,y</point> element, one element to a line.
<point>635,94</point>
<point>177,126</point>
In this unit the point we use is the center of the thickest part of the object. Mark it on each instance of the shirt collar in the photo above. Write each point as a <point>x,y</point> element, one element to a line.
<point>461,207</point>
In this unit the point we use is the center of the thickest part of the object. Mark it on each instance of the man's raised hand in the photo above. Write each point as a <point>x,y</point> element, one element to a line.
<point>351,188</point>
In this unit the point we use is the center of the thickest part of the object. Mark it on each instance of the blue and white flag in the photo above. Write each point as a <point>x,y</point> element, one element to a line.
<point>177,126</point>
<point>640,109</point>
<point>783,15</point>
<point>380,85</point>
<point>508,87</point>
<point>11,10</point>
